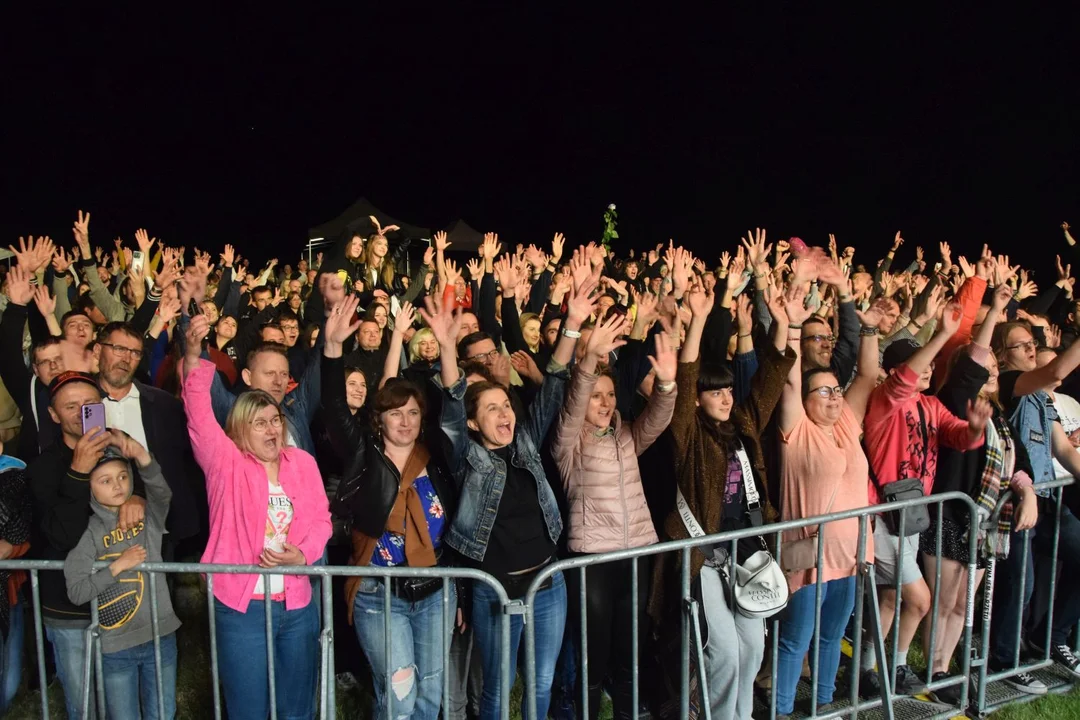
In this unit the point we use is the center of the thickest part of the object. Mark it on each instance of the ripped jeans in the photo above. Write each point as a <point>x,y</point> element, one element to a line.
<point>417,643</point>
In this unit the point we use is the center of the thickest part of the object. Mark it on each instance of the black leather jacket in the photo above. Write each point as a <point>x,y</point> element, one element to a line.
<point>369,485</point>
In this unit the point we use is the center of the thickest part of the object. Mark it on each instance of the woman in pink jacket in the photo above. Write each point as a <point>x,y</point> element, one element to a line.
<point>597,457</point>
<point>268,508</point>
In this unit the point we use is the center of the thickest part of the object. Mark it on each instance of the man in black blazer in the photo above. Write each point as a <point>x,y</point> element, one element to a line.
<point>157,421</point>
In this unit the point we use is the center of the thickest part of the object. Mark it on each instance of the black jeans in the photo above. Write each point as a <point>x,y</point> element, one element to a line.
<point>609,622</point>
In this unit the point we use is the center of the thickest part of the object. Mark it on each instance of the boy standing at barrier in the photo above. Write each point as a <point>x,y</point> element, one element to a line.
<point>903,431</point>
<point>127,643</point>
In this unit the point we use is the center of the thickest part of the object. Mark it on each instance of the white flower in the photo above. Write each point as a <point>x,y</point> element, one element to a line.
<point>611,206</point>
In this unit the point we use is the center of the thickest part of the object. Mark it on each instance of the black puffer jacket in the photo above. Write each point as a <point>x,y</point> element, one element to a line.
<point>369,485</point>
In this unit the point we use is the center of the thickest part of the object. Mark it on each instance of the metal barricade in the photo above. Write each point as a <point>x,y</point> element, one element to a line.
<point>866,597</point>
<point>992,683</point>
<point>327,706</point>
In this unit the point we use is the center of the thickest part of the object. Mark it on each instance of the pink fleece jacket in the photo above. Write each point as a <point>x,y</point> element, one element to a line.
<point>238,492</point>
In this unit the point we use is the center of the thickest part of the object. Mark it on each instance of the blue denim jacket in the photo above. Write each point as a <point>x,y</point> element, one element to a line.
<point>481,475</point>
<point>1034,417</point>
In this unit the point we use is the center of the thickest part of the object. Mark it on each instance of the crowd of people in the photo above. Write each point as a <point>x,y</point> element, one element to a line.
<point>510,408</point>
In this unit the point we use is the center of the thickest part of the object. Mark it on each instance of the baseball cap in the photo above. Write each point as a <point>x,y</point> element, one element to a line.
<point>68,377</point>
<point>112,453</point>
<point>898,353</point>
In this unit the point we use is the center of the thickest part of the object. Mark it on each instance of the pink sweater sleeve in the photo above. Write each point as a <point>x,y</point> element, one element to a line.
<point>212,447</point>
<point>314,541</point>
<point>897,389</point>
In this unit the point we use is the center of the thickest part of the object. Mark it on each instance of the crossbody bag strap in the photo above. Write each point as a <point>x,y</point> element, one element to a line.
<point>688,519</point>
<point>753,499</point>
<point>924,431</point>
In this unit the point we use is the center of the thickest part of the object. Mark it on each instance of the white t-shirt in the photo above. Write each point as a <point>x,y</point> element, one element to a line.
<point>1069,412</point>
<point>279,516</point>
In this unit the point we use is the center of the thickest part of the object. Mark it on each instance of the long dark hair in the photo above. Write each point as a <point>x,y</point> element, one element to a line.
<point>393,395</point>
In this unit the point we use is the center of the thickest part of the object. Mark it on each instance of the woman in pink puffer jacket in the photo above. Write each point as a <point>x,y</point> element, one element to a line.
<point>597,457</point>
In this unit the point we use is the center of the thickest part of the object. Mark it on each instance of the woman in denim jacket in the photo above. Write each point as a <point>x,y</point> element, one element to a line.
<point>507,522</point>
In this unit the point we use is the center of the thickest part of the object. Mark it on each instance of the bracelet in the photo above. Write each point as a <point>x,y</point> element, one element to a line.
<point>846,298</point>
<point>794,327</point>
<point>666,387</point>
<point>916,324</point>
<point>758,277</point>
<point>868,332</point>
<point>746,335</point>
<point>572,334</point>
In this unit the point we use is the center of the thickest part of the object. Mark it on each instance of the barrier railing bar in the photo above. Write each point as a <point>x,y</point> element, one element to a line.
<point>774,626</point>
<point>1058,494</point>
<point>214,671</point>
<point>898,607</point>
<point>268,608</point>
<point>155,626</point>
<point>447,635</point>
<point>818,590</point>
<point>35,594</point>
<point>634,610</point>
<point>855,669</point>
<point>504,656</point>
<point>583,667</point>
<point>684,676</point>
<point>969,609</point>
<point>327,696</point>
<point>388,684</point>
<point>935,602</point>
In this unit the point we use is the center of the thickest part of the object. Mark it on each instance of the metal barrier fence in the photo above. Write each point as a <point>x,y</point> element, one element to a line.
<point>985,685</point>
<point>327,706</point>
<point>866,598</point>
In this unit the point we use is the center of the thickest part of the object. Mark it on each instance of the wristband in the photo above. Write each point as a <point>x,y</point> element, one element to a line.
<point>794,327</point>
<point>868,331</point>
<point>666,387</point>
<point>846,298</point>
<point>572,334</point>
<point>917,324</point>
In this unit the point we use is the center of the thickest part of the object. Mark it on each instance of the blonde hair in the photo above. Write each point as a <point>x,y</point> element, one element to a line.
<point>414,343</point>
<point>243,413</point>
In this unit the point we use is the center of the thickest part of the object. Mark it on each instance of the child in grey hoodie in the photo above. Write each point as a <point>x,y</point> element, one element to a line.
<point>122,592</point>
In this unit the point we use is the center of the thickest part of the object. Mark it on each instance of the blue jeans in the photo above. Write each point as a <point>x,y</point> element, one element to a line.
<point>131,680</point>
<point>69,651</point>
<point>797,632</point>
<point>11,657</point>
<point>245,673</point>
<point>418,640</point>
<point>550,619</point>
<point>1010,605</point>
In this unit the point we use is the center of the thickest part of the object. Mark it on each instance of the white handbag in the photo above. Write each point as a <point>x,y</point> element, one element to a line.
<point>761,590</point>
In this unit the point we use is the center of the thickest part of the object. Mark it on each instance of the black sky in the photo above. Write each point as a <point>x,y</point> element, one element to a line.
<point>248,126</point>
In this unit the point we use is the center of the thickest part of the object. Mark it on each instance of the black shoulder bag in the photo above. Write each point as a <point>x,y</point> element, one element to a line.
<point>917,517</point>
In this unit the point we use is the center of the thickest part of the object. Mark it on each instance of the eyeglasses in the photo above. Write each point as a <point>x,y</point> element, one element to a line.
<point>827,392</point>
<point>51,362</point>
<point>821,338</point>
<point>1025,346</point>
<point>123,351</point>
<point>487,357</point>
<point>261,424</point>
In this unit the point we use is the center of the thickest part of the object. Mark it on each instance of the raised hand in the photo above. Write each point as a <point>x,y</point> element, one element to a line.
<point>405,317</point>
<point>984,268</point>
<point>475,269</point>
<point>198,329</point>
<point>228,257</point>
<point>168,309</point>
<point>774,298</point>
<point>950,319</point>
<point>61,262</point>
<point>81,231</point>
<point>19,289</point>
<point>129,447</point>
<point>874,314</point>
<point>557,244</point>
<point>978,414</point>
<point>166,275</point>
<point>795,305</point>
<point>536,257</point>
<point>580,269</point>
<point>491,247</point>
<point>933,302</point>
<point>342,322</point>
<point>738,264</point>
<point>946,256</point>
<point>452,272</point>
<point>444,324</point>
<point>146,243</point>
<point>581,306</point>
<point>26,253</point>
<point>605,336</point>
<point>46,303</point>
<point>526,367</point>
<point>744,314</point>
<point>202,263</point>
<point>441,243</point>
<point>1002,295</point>
<point>645,303</point>
<point>966,268</point>
<point>1027,289</point>
<point>666,361</point>
<point>757,251</point>
<point>700,302</point>
<point>725,261</point>
<point>897,242</point>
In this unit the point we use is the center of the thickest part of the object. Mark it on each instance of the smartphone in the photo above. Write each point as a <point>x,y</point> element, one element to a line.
<point>93,416</point>
<point>193,308</point>
<point>138,261</point>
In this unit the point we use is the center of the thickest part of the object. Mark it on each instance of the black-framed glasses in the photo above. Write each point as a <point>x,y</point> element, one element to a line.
<point>821,338</point>
<point>827,392</point>
<point>123,351</point>
<point>1025,346</point>
<point>487,357</point>
<point>261,424</point>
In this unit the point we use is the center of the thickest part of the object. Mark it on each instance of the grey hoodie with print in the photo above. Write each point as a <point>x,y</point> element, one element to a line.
<point>124,600</point>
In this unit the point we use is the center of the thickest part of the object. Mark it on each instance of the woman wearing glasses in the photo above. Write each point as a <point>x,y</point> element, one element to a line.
<point>267,507</point>
<point>823,470</point>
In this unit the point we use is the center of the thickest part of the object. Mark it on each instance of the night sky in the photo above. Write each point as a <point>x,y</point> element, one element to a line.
<point>250,127</point>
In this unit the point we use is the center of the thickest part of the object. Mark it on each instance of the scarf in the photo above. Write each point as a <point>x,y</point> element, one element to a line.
<point>1000,461</point>
<point>406,518</point>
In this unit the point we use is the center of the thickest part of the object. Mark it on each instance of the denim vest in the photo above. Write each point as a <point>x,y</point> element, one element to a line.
<point>481,475</point>
<point>1033,419</point>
